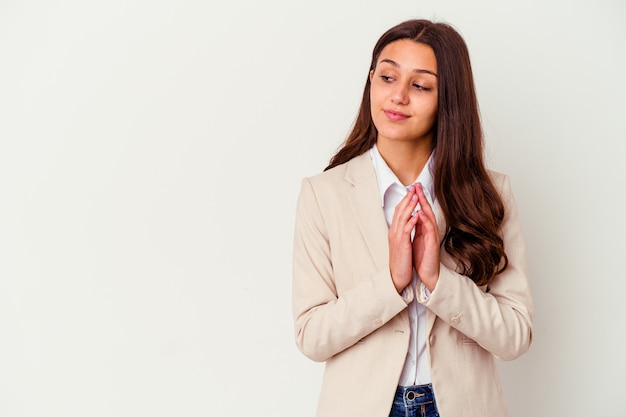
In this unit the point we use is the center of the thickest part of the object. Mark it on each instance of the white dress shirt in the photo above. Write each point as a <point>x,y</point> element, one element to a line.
<point>416,367</point>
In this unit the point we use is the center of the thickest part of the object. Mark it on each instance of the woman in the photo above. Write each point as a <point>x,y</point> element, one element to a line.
<point>409,271</point>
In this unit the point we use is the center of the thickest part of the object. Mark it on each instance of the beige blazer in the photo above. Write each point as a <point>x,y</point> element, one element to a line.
<point>348,313</point>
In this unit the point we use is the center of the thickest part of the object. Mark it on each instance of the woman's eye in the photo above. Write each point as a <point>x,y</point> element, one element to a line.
<point>386,78</point>
<point>419,87</point>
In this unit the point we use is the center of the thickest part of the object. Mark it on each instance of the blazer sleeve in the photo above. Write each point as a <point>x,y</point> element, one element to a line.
<point>326,321</point>
<point>498,317</point>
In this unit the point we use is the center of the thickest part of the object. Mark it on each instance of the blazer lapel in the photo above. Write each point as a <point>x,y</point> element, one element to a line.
<point>367,207</point>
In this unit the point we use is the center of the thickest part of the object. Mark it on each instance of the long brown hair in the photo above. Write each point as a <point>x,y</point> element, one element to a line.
<point>470,202</point>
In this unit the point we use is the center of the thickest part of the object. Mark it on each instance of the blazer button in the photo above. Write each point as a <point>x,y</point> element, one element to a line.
<point>378,322</point>
<point>455,320</point>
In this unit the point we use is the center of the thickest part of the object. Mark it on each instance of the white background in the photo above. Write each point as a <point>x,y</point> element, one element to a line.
<point>151,154</point>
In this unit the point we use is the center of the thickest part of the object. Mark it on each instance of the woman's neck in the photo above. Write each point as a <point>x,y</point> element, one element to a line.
<point>405,158</point>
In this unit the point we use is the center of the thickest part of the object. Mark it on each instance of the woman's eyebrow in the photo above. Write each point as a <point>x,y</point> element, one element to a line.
<point>417,70</point>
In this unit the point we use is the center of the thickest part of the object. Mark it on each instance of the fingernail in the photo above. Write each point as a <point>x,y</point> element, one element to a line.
<point>414,197</point>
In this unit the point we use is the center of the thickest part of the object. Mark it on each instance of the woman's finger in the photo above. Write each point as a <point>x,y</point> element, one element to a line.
<point>406,206</point>
<point>404,218</point>
<point>424,203</point>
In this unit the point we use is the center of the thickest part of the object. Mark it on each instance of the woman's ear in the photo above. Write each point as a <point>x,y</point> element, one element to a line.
<point>371,74</point>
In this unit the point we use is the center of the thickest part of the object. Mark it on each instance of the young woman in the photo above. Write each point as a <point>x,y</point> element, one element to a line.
<point>409,272</point>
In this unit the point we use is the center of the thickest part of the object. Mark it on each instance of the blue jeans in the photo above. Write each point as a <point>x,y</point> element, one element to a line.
<point>414,401</point>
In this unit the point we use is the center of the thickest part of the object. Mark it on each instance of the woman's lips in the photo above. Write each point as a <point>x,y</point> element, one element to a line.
<point>395,116</point>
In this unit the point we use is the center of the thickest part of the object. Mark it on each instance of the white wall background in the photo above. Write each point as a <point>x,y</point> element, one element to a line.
<point>150,158</point>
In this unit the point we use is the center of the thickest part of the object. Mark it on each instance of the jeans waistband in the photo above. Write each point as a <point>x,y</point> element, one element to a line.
<point>415,394</point>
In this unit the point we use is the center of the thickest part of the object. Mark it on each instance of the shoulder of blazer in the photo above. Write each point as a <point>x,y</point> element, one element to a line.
<point>353,172</point>
<point>496,177</point>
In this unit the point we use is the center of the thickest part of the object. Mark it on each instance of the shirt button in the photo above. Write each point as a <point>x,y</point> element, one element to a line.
<point>455,320</point>
<point>378,322</point>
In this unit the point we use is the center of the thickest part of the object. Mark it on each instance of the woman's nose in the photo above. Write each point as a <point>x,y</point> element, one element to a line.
<point>400,94</point>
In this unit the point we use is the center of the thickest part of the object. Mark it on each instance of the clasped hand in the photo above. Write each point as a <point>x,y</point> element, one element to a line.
<point>421,253</point>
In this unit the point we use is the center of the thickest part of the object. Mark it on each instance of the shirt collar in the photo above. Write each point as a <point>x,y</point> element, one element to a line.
<point>386,178</point>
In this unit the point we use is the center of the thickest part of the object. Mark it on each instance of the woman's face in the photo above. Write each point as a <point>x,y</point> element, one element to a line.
<point>403,92</point>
